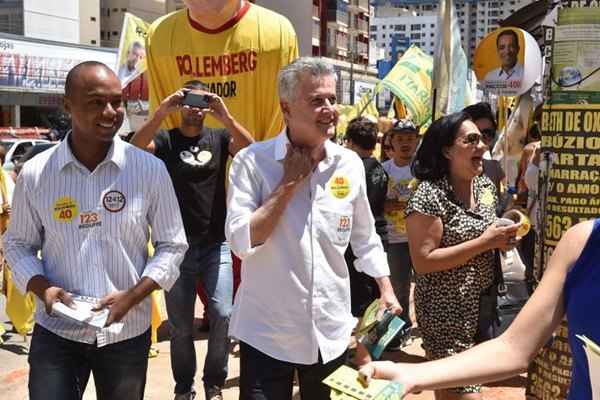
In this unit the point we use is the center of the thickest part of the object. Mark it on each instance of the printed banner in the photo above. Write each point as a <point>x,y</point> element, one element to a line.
<point>42,67</point>
<point>410,81</point>
<point>131,61</point>
<point>571,135</point>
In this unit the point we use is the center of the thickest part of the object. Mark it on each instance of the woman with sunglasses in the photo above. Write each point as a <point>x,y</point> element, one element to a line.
<point>452,238</point>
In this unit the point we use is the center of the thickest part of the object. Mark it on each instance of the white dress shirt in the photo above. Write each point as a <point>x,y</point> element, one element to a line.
<point>294,299</point>
<point>92,229</point>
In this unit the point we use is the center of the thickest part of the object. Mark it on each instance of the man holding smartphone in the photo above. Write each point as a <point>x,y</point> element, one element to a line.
<point>196,159</point>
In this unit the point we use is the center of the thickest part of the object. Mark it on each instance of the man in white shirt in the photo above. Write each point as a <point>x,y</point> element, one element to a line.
<point>295,203</point>
<point>87,205</point>
<point>510,72</point>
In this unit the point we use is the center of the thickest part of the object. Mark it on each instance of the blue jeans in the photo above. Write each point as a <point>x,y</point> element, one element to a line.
<point>398,256</point>
<point>60,368</point>
<point>212,265</point>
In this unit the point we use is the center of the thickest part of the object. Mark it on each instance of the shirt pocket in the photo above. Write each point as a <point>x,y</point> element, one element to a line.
<point>336,226</point>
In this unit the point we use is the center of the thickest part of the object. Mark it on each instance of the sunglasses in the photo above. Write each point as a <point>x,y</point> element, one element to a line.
<point>489,132</point>
<point>472,139</point>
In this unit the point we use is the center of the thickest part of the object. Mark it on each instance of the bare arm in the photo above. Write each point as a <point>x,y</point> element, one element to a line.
<point>240,137</point>
<point>425,235</point>
<point>512,351</point>
<point>144,137</point>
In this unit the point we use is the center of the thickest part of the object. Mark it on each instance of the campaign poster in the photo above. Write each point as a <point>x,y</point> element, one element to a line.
<point>507,62</point>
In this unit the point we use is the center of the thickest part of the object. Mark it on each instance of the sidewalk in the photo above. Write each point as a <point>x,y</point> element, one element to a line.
<point>14,370</point>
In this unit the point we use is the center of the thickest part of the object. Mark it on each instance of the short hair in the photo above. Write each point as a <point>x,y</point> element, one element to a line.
<point>481,111</point>
<point>290,75</point>
<point>507,32</point>
<point>195,84</point>
<point>430,163</point>
<point>362,133</point>
<point>76,70</point>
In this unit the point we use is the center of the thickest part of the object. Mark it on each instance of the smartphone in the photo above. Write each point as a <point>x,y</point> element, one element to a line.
<point>196,100</point>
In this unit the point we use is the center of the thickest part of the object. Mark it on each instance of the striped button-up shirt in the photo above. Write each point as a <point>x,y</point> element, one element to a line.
<point>93,229</point>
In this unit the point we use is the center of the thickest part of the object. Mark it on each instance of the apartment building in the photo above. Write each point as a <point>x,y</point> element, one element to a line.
<point>112,13</point>
<point>70,21</point>
<point>399,23</point>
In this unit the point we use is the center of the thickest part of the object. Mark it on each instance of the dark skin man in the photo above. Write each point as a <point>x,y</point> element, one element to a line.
<point>94,101</point>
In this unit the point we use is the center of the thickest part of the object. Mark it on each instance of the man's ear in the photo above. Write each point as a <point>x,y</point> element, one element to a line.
<point>67,105</point>
<point>285,108</point>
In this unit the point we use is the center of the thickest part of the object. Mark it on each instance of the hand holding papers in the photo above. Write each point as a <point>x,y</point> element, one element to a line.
<point>83,312</point>
<point>346,385</point>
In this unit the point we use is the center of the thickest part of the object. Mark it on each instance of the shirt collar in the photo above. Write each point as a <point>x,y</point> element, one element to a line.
<point>332,150</point>
<point>116,154</point>
<point>510,72</point>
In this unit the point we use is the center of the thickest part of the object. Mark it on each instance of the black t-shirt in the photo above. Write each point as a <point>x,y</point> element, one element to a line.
<point>377,183</point>
<point>197,168</point>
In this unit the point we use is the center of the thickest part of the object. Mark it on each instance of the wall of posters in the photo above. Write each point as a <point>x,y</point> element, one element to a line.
<point>571,141</point>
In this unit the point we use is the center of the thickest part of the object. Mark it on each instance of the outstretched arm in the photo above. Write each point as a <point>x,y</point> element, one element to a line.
<point>512,351</point>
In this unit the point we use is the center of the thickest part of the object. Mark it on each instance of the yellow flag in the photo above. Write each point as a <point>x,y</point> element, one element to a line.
<point>131,61</point>
<point>365,108</point>
<point>19,308</point>
<point>410,81</point>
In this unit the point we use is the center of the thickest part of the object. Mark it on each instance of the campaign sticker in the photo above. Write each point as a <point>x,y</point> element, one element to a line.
<point>339,186</point>
<point>89,219</point>
<point>487,198</point>
<point>65,209</point>
<point>114,201</point>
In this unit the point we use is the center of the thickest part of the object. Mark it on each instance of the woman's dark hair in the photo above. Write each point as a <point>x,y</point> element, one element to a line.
<point>430,163</point>
<point>362,133</point>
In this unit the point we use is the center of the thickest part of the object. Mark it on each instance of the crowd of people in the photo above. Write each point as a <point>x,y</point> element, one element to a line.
<point>320,229</point>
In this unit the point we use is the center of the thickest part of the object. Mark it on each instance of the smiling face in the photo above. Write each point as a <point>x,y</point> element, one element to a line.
<point>465,156</point>
<point>95,104</point>
<point>508,50</point>
<point>311,116</point>
<point>134,55</point>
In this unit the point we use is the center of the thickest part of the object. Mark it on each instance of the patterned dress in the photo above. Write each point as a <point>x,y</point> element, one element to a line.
<point>447,302</point>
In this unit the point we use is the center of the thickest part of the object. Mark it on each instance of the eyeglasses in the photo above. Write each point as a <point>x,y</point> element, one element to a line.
<point>472,139</point>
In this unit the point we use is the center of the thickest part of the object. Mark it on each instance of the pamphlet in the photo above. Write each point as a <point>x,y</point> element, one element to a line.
<point>592,350</point>
<point>346,385</point>
<point>376,333</point>
<point>83,312</point>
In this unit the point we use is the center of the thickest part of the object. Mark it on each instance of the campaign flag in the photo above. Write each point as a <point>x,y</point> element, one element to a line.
<point>410,81</point>
<point>131,60</point>
<point>449,80</point>
<point>365,107</point>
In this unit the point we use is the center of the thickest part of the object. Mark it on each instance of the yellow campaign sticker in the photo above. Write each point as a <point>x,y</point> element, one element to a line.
<point>487,198</point>
<point>339,186</point>
<point>65,209</point>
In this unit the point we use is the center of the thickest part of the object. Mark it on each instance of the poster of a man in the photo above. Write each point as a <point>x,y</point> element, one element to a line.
<point>135,54</point>
<point>507,47</point>
<point>499,62</point>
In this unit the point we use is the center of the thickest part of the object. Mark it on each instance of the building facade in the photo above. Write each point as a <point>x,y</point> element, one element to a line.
<point>399,23</point>
<point>112,13</point>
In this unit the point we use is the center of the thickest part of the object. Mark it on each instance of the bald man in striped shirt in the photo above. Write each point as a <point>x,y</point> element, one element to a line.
<point>88,204</point>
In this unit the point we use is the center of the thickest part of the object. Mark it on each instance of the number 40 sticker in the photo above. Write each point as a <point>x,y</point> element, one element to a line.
<point>65,209</point>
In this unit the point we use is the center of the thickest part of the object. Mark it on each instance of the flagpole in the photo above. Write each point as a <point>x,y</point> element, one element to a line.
<point>433,110</point>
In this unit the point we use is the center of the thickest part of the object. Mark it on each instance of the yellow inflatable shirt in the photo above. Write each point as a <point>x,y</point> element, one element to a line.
<point>239,61</point>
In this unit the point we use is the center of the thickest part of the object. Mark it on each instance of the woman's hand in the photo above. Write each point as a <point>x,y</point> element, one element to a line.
<point>389,371</point>
<point>501,237</point>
